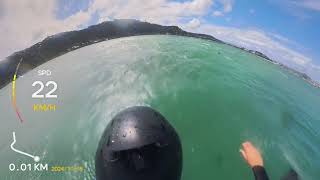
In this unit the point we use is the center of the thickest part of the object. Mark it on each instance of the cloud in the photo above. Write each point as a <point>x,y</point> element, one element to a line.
<point>308,4</point>
<point>2,9</point>
<point>252,11</point>
<point>217,13</point>
<point>27,22</point>
<point>301,9</point>
<point>193,24</point>
<point>270,44</point>
<point>227,6</point>
<point>160,11</point>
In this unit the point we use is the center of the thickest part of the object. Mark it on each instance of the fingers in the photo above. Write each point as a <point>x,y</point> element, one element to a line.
<point>247,145</point>
<point>243,154</point>
<point>246,149</point>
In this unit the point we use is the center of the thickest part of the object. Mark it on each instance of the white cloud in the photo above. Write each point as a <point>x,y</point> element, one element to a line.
<point>227,6</point>
<point>194,23</point>
<point>259,40</point>
<point>308,4</point>
<point>27,22</point>
<point>300,9</point>
<point>2,9</point>
<point>217,13</point>
<point>159,11</point>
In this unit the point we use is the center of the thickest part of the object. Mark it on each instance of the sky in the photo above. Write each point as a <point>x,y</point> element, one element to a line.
<point>287,31</point>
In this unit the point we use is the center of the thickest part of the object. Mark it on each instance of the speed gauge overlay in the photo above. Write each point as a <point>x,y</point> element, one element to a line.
<point>34,106</point>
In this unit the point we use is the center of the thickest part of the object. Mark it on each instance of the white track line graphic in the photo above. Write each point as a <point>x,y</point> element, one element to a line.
<point>35,158</point>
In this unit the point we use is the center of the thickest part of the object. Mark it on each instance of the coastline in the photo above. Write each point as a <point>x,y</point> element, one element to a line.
<point>62,43</point>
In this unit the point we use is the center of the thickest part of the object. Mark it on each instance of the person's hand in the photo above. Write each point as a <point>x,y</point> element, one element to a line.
<point>251,154</point>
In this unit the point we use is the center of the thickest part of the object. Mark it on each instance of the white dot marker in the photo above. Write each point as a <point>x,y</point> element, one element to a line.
<point>36,158</point>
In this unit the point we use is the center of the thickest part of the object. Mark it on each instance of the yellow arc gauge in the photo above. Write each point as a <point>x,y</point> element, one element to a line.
<point>14,96</point>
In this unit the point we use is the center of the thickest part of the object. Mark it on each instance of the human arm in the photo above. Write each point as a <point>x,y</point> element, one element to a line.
<point>254,159</point>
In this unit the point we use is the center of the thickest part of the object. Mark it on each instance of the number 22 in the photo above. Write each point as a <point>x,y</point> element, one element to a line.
<point>49,94</point>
